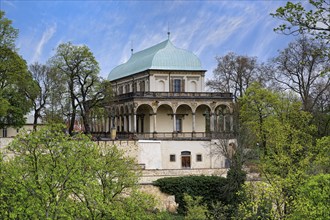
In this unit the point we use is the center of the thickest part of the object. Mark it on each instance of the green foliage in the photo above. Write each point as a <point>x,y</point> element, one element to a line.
<point>211,188</point>
<point>84,90</point>
<point>196,210</point>
<point>56,176</point>
<point>14,78</point>
<point>313,199</point>
<point>322,156</point>
<point>166,216</point>
<point>8,34</point>
<point>260,201</point>
<point>300,20</point>
<point>291,153</point>
<point>235,179</point>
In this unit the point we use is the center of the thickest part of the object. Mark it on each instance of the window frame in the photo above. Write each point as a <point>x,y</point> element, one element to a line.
<point>177,85</point>
<point>178,124</point>
<point>199,158</point>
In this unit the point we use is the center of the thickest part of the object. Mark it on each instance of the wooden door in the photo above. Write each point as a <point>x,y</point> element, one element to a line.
<point>185,162</point>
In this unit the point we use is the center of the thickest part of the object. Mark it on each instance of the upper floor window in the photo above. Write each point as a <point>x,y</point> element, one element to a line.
<point>135,87</point>
<point>177,85</point>
<point>178,124</point>
<point>127,88</point>
<point>120,90</point>
<point>142,86</point>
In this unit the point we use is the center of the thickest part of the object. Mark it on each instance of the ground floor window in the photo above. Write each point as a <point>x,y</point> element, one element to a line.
<point>199,158</point>
<point>172,157</point>
<point>4,132</point>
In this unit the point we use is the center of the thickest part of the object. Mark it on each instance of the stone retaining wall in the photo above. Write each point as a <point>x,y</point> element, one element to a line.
<point>148,176</point>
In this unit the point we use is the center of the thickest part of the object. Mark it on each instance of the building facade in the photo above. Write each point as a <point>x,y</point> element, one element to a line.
<point>160,102</point>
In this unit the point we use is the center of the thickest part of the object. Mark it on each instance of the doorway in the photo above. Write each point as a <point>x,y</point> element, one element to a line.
<point>185,160</point>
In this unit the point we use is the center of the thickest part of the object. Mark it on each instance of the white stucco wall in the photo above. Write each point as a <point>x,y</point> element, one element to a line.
<point>195,147</point>
<point>159,82</point>
<point>150,154</point>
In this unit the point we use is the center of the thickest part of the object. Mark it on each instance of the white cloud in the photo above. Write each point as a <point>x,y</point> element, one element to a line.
<point>9,3</point>
<point>46,36</point>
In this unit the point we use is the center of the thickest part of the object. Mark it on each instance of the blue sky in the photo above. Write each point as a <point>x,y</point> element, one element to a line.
<point>110,28</point>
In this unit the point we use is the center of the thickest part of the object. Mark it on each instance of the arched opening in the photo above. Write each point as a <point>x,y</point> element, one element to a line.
<point>203,118</point>
<point>164,118</point>
<point>183,117</point>
<point>185,159</point>
<point>144,119</point>
<point>222,119</point>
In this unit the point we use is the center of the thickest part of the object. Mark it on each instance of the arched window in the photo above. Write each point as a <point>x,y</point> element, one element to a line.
<point>193,86</point>
<point>161,86</point>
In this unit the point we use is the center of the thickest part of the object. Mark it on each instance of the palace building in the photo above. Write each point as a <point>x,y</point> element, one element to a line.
<point>160,102</point>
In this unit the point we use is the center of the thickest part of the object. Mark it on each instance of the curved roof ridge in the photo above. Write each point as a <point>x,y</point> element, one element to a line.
<point>163,56</point>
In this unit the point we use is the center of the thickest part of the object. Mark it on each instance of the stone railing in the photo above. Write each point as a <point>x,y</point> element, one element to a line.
<point>195,95</point>
<point>165,135</point>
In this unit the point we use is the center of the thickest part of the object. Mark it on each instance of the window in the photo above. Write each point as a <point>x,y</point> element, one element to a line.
<point>4,132</point>
<point>120,90</point>
<point>127,89</point>
<point>227,163</point>
<point>172,157</point>
<point>199,158</point>
<point>142,86</point>
<point>177,85</point>
<point>178,124</point>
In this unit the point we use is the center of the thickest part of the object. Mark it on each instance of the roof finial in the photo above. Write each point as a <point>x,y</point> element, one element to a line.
<point>168,31</point>
<point>132,47</point>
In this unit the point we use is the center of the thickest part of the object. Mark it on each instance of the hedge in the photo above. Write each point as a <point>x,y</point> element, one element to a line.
<point>211,188</point>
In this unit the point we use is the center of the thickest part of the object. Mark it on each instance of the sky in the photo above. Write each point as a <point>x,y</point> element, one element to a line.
<point>111,28</point>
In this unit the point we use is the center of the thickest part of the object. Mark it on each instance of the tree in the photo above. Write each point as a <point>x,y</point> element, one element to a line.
<point>287,139</point>
<point>84,88</point>
<point>196,210</point>
<point>234,73</point>
<point>14,78</point>
<point>57,176</point>
<point>313,199</point>
<point>313,20</point>
<point>8,34</point>
<point>300,68</point>
<point>42,81</point>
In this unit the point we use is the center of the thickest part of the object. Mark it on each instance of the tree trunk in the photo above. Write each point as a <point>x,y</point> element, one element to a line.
<point>35,120</point>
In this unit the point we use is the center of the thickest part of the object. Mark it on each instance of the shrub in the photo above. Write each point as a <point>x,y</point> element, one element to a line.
<point>210,188</point>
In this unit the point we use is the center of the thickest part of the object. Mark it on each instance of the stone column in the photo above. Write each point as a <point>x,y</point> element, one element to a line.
<point>109,123</point>
<point>193,122</point>
<point>212,122</point>
<point>125,123</point>
<point>116,122</point>
<point>155,122</point>
<point>224,122</point>
<point>174,122</point>
<point>130,123</point>
<point>135,122</point>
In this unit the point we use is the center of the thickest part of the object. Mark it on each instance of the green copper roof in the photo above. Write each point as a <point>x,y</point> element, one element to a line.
<point>162,56</point>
